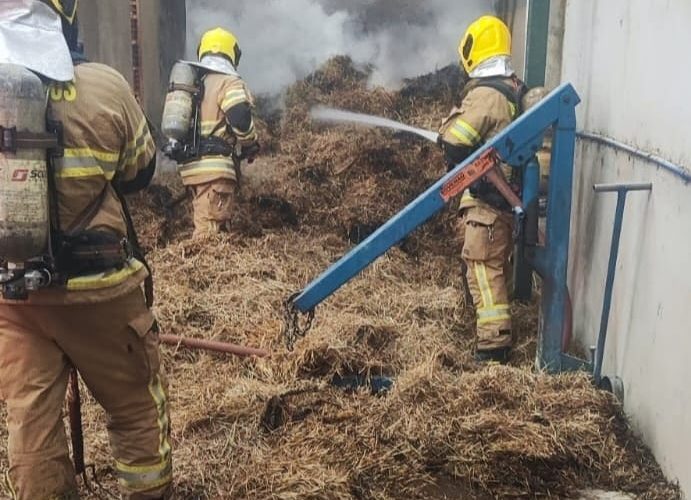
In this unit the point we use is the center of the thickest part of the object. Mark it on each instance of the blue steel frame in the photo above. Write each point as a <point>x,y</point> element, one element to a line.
<point>516,145</point>
<point>622,190</point>
<point>523,271</point>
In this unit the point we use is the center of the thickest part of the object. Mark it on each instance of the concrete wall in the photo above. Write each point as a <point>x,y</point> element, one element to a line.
<point>628,59</point>
<point>106,31</point>
<point>555,43</point>
<point>515,15</point>
<point>165,46</point>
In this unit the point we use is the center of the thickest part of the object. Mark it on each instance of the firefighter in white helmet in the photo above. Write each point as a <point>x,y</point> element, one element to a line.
<point>224,132</point>
<point>490,101</point>
<point>92,314</point>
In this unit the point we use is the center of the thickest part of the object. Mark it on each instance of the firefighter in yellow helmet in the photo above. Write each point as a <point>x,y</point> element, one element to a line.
<point>490,101</point>
<point>93,315</point>
<point>226,133</point>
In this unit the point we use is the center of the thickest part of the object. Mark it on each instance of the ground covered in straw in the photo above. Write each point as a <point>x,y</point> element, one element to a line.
<point>278,427</point>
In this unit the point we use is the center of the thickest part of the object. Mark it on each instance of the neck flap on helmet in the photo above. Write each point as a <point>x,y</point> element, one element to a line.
<point>31,36</point>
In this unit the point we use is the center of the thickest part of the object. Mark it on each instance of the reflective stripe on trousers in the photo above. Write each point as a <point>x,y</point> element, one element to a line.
<point>148,477</point>
<point>144,478</point>
<point>489,312</point>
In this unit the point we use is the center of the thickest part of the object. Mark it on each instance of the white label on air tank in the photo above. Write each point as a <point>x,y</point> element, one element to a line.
<point>23,191</point>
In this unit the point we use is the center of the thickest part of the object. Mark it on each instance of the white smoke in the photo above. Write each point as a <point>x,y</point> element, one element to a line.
<point>284,40</point>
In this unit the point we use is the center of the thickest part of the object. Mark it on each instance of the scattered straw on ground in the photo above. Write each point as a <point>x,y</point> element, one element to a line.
<point>278,428</point>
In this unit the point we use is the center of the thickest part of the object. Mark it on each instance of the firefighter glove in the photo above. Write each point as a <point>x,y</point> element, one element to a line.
<point>249,151</point>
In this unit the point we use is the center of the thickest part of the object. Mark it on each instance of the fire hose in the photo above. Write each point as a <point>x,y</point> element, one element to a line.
<point>214,346</point>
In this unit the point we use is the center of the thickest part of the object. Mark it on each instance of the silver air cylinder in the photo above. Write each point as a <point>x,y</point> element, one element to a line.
<point>178,112</point>
<point>24,218</point>
<point>544,155</point>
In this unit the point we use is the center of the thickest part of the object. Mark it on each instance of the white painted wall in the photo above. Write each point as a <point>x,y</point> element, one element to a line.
<point>630,61</point>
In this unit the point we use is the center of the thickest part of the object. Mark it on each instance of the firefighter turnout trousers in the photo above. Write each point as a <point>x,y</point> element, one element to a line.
<point>115,347</point>
<point>213,204</point>
<point>486,236</point>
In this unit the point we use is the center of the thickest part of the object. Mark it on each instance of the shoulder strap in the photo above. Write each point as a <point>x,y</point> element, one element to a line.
<point>218,127</point>
<point>56,235</point>
<point>84,219</point>
<point>510,87</point>
<point>136,247</point>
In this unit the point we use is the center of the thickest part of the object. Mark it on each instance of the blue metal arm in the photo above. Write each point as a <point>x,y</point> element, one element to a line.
<point>515,145</point>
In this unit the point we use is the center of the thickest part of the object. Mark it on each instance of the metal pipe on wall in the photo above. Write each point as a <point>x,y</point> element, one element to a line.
<point>677,170</point>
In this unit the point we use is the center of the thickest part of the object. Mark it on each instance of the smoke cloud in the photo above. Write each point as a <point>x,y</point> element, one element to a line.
<point>284,40</point>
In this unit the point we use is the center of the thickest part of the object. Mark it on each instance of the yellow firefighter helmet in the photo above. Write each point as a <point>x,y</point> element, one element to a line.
<point>485,38</point>
<point>220,42</point>
<point>66,8</point>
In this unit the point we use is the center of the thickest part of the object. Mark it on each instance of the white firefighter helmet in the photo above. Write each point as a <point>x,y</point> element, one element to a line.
<point>31,36</point>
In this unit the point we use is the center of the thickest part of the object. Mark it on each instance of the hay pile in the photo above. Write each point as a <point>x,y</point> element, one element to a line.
<point>279,428</point>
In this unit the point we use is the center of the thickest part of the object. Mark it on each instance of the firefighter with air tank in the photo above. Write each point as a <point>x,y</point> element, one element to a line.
<point>492,98</point>
<point>75,286</point>
<point>209,125</point>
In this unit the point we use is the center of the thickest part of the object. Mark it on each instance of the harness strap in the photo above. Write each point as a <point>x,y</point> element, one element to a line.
<point>11,140</point>
<point>136,247</point>
<point>510,87</point>
<point>186,88</point>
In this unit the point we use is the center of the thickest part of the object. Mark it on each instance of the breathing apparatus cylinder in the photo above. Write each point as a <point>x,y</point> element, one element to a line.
<point>544,155</point>
<point>24,183</point>
<point>24,204</point>
<point>179,110</point>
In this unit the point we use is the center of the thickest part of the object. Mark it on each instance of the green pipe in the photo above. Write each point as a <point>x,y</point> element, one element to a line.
<point>536,45</point>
